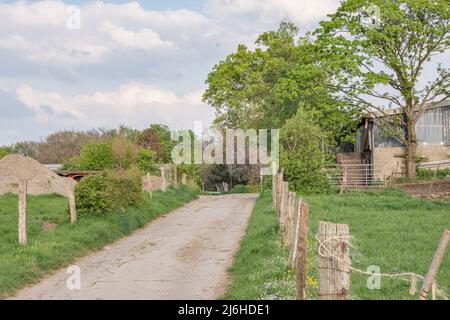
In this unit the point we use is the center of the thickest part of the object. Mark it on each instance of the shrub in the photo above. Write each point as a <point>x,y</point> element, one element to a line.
<point>95,155</point>
<point>110,190</point>
<point>124,152</point>
<point>301,155</point>
<point>146,159</point>
<point>427,174</point>
<point>113,153</point>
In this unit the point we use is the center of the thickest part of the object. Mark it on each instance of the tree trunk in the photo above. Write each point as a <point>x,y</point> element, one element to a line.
<point>411,151</point>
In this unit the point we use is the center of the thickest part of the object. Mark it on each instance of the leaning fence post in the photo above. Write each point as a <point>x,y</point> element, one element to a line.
<point>302,250</point>
<point>434,266</point>
<point>22,194</point>
<point>334,261</point>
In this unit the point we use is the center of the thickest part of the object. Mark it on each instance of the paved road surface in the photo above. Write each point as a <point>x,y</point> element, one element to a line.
<point>183,255</point>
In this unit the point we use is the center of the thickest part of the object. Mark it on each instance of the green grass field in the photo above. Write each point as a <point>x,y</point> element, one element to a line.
<point>47,251</point>
<point>260,269</point>
<point>392,230</point>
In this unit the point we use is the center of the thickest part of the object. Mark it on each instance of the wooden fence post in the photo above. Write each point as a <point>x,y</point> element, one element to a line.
<point>72,206</point>
<point>302,250</point>
<point>274,191</point>
<point>175,176</point>
<point>183,179</point>
<point>296,233</point>
<point>334,261</point>
<point>22,194</point>
<point>164,179</point>
<point>279,191</point>
<point>287,239</point>
<point>284,203</point>
<point>434,266</point>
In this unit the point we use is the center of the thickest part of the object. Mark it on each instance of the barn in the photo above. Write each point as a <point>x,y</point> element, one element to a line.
<point>383,154</point>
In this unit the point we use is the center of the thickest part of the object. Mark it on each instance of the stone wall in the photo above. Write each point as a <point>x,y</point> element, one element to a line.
<point>390,157</point>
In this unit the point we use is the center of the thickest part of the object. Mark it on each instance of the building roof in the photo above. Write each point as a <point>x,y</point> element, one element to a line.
<point>394,111</point>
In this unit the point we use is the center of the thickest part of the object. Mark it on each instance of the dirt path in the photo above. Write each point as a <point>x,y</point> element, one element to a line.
<point>183,255</point>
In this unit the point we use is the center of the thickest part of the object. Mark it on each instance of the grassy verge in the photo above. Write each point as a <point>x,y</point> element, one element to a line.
<point>47,251</point>
<point>392,230</point>
<point>260,269</point>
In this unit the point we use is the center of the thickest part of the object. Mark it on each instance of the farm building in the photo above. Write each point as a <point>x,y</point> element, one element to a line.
<point>384,154</point>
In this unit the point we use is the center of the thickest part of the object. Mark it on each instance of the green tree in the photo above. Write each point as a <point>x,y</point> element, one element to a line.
<point>301,155</point>
<point>165,137</point>
<point>263,88</point>
<point>242,87</point>
<point>376,52</point>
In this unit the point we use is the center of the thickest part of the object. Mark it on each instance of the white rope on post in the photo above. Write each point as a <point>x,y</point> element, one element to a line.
<point>324,252</point>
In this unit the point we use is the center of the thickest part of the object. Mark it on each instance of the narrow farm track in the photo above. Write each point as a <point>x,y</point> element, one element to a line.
<point>182,255</point>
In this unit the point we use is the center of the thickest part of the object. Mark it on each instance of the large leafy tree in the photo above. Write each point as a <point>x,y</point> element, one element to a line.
<point>242,87</point>
<point>378,50</point>
<point>262,88</point>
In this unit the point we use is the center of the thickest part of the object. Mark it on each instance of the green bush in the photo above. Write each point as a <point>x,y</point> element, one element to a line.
<point>113,153</point>
<point>427,174</point>
<point>110,190</point>
<point>301,155</point>
<point>146,159</point>
<point>95,155</point>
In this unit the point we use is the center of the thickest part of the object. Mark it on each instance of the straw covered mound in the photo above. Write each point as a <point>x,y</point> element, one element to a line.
<point>15,168</point>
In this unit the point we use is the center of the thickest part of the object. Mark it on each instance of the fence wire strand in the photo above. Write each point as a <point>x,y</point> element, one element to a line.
<point>324,252</point>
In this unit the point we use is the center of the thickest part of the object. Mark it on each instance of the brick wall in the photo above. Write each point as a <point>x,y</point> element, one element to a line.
<point>389,157</point>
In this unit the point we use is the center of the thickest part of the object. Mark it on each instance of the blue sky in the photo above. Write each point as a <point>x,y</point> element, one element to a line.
<point>150,4</point>
<point>132,63</point>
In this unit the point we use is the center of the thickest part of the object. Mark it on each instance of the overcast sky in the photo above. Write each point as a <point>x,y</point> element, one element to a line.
<point>132,63</point>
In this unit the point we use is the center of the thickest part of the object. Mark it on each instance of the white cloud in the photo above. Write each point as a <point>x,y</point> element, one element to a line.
<point>257,13</point>
<point>132,103</point>
<point>113,69</point>
<point>145,39</point>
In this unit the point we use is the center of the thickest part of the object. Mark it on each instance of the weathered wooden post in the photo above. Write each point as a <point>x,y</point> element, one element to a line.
<point>183,179</point>
<point>164,178</point>
<point>284,203</point>
<point>72,206</point>
<point>334,261</point>
<point>175,176</point>
<point>22,194</point>
<point>292,197</point>
<point>302,249</point>
<point>279,191</point>
<point>296,231</point>
<point>274,191</point>
<point>434,266</point>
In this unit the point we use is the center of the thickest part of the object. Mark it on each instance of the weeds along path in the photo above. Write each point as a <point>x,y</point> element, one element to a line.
<point>182,255</point>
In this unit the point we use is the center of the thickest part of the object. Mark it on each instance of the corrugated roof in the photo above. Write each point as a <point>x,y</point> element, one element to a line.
<point>393,111</point>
